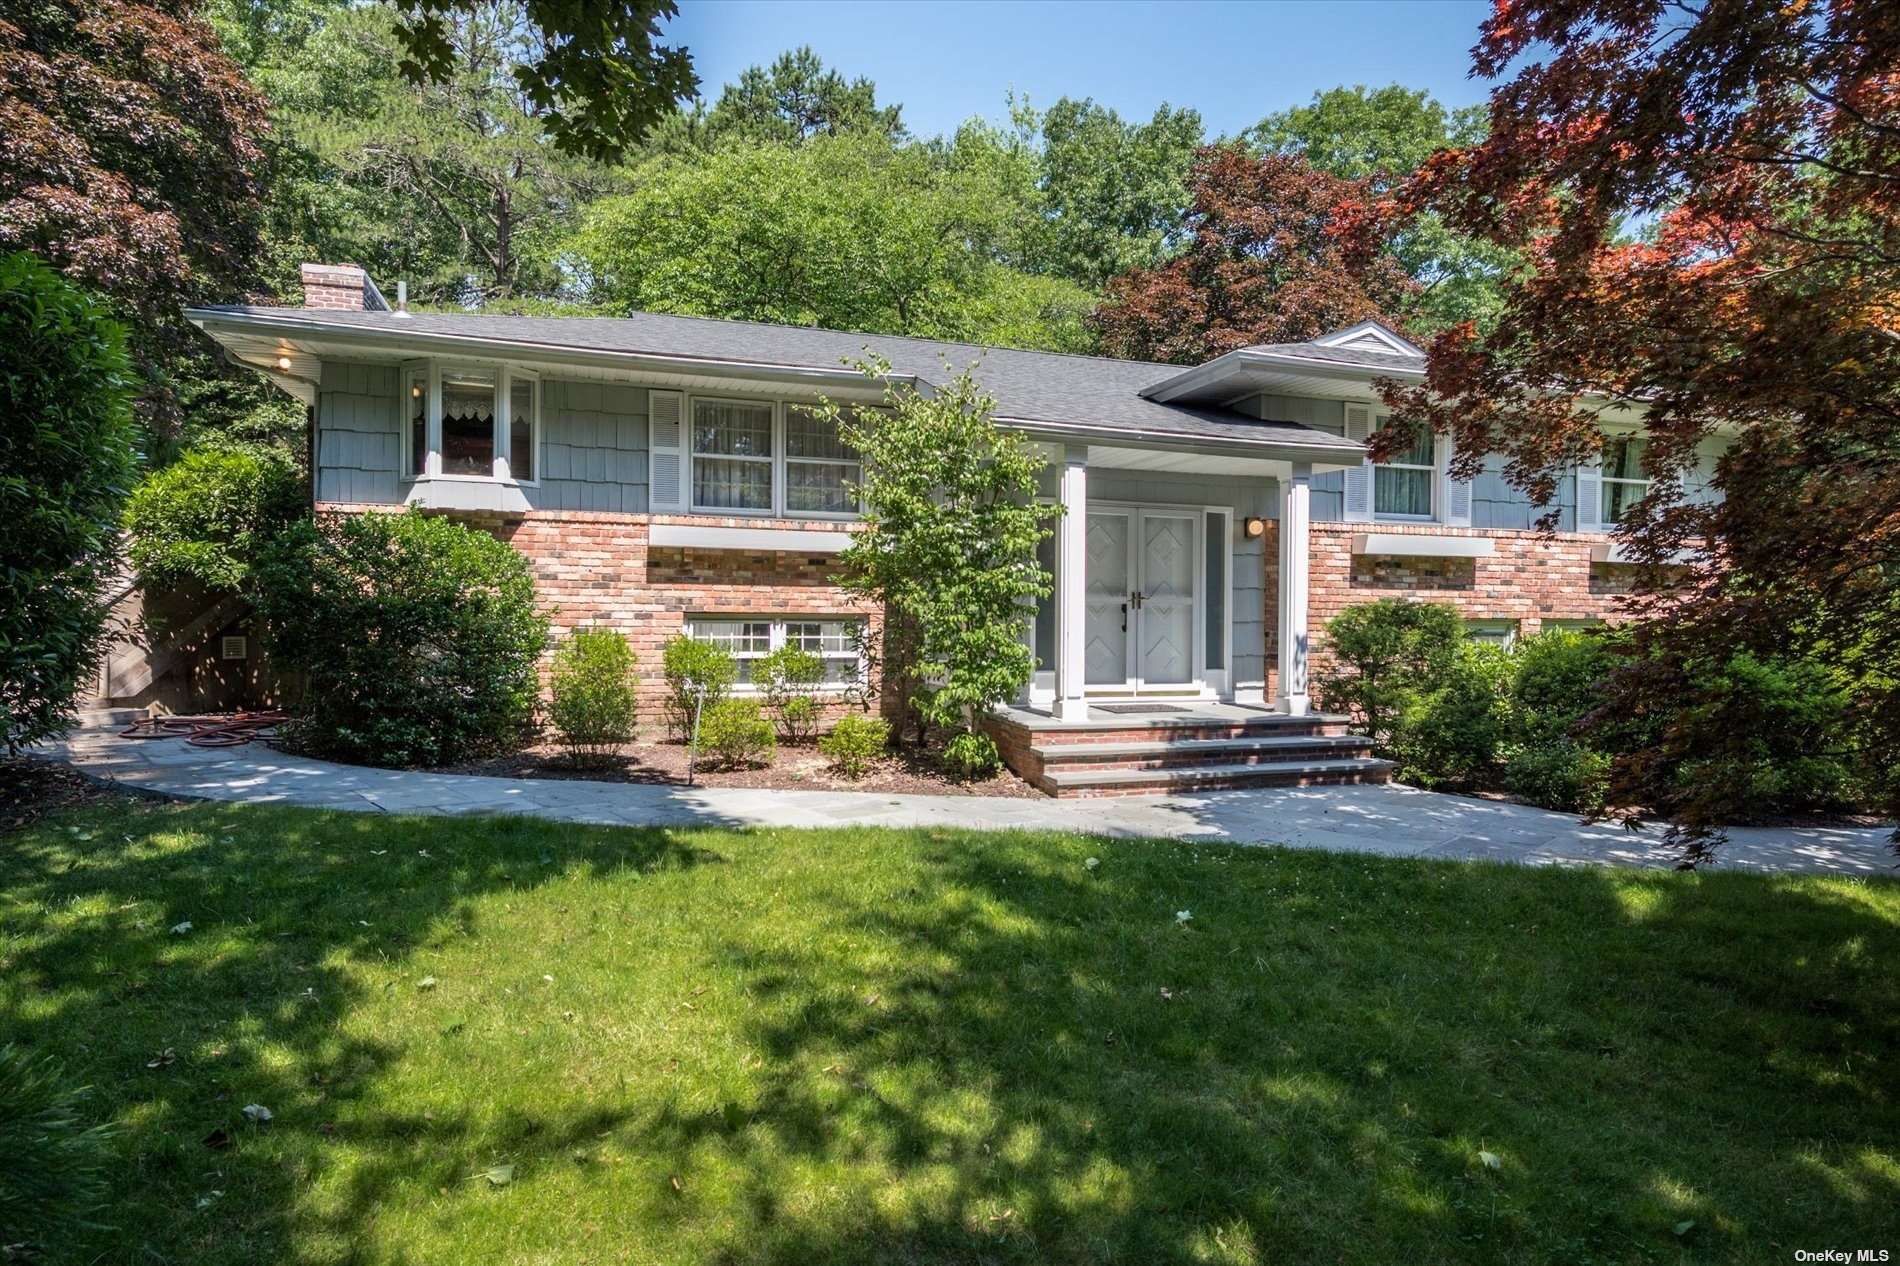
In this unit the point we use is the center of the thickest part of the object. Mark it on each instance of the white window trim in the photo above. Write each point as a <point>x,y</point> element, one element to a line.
<point>786,461</point>
<point>776,641</point>
<point>779,404</point>
<point>1430,470</point>
<point>431,372</point>
<point>1605,480</point>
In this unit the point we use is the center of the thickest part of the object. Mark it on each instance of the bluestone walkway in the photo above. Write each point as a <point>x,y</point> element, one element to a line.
<point>1390,820</point>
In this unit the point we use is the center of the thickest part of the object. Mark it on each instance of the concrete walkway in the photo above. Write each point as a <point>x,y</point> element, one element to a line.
<point>1389,820</point>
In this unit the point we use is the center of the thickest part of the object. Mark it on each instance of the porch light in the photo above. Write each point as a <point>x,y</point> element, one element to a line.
<point>283,362</point>
<point>1255,528</point>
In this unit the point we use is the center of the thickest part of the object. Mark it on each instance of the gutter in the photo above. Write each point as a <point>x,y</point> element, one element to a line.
<point>211,320</point>
<point>1327,449</point>
<point>1236,364</point>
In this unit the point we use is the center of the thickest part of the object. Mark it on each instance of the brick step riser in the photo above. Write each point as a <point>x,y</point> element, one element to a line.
<point>1241,781</point>
<point>1240,760</point>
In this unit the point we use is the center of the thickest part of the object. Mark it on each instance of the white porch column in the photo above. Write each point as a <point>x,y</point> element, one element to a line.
<point>1072,584</point>
<point>1296,496</point>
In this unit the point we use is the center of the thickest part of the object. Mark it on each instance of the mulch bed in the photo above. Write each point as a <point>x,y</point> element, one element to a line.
<point>31,789</point>
<point>794,769</point>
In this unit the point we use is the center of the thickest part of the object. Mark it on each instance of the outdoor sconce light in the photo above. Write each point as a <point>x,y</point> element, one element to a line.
<point>1255,528</point>
<point>283,362</point>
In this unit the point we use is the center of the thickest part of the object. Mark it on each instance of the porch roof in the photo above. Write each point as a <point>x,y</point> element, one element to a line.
<point>1051,395</point>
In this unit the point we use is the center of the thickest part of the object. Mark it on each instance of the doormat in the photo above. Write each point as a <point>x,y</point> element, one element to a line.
<point>1138,709</point>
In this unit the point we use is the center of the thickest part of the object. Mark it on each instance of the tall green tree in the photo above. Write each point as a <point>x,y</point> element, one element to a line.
<point>798,98</point>
<point>1111,194</point>
<point>452,184</point>
<point>846,232</point>
<point>1381,136</point>
<point>593,73</point>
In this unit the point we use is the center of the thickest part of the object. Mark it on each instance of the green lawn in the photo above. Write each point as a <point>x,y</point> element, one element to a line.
<point>879,1046</point>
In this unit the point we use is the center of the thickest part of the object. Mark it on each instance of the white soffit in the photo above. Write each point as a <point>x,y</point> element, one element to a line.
<point>790,540</point>
<point>1413,545</point>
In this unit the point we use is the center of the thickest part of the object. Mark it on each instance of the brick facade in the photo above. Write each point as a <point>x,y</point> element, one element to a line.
<point>597,570</point>
<point>1530,577</point>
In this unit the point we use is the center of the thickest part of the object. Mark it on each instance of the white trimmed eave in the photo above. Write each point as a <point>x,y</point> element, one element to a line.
<point>1249,372</point>
<point>1137,448</point>
<point>258,340</point>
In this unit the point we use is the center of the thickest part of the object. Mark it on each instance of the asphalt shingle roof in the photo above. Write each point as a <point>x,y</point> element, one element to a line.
<point>1043,387</point>
<point>1343,355</point>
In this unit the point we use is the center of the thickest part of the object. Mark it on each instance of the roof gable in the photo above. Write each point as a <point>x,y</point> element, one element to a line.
<point>1371,336</point>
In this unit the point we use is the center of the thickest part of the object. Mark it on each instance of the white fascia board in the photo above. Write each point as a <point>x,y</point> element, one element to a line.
<point>1322,450</point>
<point>786,540</point>
<point>1417,545</point>
<point>408,342</point>
<point>1232,373</point>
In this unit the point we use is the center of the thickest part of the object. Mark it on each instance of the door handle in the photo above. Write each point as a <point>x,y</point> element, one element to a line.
<point>1124,617</point>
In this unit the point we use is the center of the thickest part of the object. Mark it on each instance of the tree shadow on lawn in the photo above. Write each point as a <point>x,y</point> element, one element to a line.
<point>178,1028</point>
<point>971,1048</point>
<point>1332,1058</point>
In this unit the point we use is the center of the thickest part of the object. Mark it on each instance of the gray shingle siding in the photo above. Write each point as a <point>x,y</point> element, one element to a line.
<point>593,442</point>
<point>358,442</point>
<point>593,448</point>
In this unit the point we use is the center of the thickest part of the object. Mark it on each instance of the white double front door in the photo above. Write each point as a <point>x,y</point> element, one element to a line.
<point>1143,581</point>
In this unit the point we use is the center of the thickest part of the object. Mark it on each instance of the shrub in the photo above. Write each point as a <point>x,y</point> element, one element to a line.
<point>970,756</point>
<point>790,677</point>
<point>737,733</point>
<point>1450,729</point>
<point>206,517</point>
<point>1762,736</point>
<point>415,637</point>
<point>707,664</point>
<point>53,1181</point>
<point>1559,773</point>
<point>1559,681</point>
<point>947,545</point>
<point>66,459</point>
<point>1383,653</point>
<point>593,704</point>
<point>854,742</point>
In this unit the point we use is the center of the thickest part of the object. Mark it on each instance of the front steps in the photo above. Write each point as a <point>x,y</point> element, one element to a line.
<point>1192,752</point>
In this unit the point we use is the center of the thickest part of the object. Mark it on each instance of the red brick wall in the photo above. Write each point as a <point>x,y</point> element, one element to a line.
<point>1530,577</point>
<point>598,570</point>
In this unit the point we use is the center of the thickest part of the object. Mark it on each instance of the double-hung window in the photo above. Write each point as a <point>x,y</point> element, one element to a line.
<point>1624,483</point>
<point>470,422</point>
<point>749,639</point>
<point>1402,485</point>
<point>732,455</point>
<point>820,468</point>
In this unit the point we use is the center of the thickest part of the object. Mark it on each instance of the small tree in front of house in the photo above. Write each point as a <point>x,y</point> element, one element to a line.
<point>947,547</point>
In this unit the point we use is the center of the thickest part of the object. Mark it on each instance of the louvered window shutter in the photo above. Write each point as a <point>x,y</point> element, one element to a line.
<point>1590,496</point>
<point>666,463</point>
<point>1454,495</point>
<point>1358,494</point>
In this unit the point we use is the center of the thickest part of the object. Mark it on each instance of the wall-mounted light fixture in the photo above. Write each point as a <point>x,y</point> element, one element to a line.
<point>283,362</point>
<point>1254,527</point>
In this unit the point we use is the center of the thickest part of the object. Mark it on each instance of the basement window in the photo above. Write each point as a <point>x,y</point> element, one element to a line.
<point>749,639</point>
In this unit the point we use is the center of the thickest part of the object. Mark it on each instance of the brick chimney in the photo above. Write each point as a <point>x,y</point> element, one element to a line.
<point>341,288</point>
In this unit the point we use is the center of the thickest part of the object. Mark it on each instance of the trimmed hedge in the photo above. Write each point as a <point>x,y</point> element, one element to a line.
<point>208,516</point>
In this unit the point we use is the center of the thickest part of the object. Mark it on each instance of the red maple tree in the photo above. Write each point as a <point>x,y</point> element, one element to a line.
<point>1755,145</point>
<point>1277,251</point>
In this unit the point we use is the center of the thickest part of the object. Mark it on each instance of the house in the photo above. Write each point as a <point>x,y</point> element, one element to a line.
<point>665,473</point>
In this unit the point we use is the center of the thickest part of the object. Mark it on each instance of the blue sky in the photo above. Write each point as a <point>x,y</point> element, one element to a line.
<point>946,60</point>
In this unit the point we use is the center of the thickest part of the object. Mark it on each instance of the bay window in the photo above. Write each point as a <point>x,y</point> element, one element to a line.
<point>1402,485</point>
<point>470,422</point>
